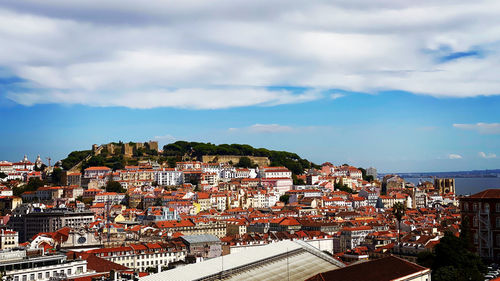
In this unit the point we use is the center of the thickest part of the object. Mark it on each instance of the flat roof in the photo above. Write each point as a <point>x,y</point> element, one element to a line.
<point>275,261</point>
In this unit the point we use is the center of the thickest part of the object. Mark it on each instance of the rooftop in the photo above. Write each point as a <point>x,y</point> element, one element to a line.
<point>388,268</point>
<point>268,262</point>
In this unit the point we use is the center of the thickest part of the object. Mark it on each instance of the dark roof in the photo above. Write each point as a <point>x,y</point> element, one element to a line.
<point>488,193</point>
<point>201,238</point>
<point>384,269</point>
<point>96,263</point>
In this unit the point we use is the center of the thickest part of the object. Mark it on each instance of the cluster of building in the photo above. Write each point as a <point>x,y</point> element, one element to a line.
<point>169,218</point>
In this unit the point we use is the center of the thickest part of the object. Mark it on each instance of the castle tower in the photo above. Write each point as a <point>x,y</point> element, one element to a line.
<point>153,145</point>
<point>445,186</point>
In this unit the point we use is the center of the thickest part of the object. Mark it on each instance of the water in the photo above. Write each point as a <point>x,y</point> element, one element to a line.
<point>466,185</point>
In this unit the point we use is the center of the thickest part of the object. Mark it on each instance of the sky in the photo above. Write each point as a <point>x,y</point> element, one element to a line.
<point>402,86</point>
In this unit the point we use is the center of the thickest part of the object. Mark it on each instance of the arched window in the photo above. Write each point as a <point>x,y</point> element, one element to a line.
<point>466,206</point>
<point>486,207</point>
<point>474,222</point>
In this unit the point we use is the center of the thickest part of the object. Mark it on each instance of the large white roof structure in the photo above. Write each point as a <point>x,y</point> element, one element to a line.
<point>284,260</point>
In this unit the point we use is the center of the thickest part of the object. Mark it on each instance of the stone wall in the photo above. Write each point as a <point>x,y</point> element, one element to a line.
<point>260,161</point>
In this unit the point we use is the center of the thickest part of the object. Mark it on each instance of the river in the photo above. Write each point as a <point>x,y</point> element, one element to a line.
<point>465,186</point>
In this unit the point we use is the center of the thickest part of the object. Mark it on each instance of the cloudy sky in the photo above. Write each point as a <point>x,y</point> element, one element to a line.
<point>399,85</point>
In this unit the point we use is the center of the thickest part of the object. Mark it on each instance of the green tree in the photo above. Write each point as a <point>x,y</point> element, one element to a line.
<point>57,175</point>
<point>425,258</point>
<point>172,162</point>
<point>158,202</point>
<point>73,158</point>
<point>452,259</point>
<point>34,184</point>
<point>398,210</point>
<point>465,233</point>
<point>245,162</point>
<point>114,186</point>
<point>285,198</point>
<point>297,181</point>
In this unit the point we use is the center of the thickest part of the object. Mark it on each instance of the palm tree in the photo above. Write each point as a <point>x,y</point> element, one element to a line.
<point>398,210</point>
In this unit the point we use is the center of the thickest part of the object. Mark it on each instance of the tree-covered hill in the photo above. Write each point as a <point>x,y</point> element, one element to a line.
<point>182,150</point>
<point>196,150</point>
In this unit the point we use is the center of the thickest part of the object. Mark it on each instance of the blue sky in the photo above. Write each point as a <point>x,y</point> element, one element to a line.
<point>393,131</point>
<point>398,85</point>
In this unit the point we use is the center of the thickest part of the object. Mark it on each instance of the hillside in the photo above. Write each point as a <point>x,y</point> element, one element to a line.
<point>196,150</point>
<point>117,157</point>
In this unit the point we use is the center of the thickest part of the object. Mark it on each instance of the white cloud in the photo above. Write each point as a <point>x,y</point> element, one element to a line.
<point>264,128</point>
<point>454,156</point>
<point>147,54</point>
<point>166,138</point>
<point>483,128</point>
<point>196,98</point>
<point>335,96</point>
<point>487,156</point>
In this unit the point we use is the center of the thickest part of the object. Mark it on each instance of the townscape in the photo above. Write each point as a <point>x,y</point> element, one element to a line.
<point>85,222</point>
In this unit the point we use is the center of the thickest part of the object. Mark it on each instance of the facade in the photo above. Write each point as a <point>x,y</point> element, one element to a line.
<point>372,172</point>
<point>94,172</point>
<point>8,239</point>
<point>351,237</point>
<point>274,172</point>
<point>112,198</point>
<point>190,227</point>
<point>203,245</point>
<point>143,256</point>
<point>482,210</point>
<point>29,223</point>
<point>19,266</point>
<point>72,178</point>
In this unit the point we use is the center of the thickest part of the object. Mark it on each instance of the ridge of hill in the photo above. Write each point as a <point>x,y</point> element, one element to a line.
<point>118,155</point>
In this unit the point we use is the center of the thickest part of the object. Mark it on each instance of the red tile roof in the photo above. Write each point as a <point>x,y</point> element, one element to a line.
<point>487,194</point>
<point>388,268</point>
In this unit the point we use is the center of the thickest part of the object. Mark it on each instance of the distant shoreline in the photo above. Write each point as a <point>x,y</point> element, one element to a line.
<point>450,174</point>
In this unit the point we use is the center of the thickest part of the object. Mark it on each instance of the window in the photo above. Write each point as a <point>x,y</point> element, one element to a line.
<point>498,222</point>
<point>465,206</point>
<point>474,222</point>
<point>486,207</point>
<point>40,275</point>
<point>32,276</point>
<point>69,271</point>
<point>498,207</point>
<point>498,239</point>
<point>47,275</point>
<point>474,207</point>
<point>475,238</point>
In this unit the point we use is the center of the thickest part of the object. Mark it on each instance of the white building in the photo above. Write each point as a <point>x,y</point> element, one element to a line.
<point>53,267</point>
<point>142,256</point>
<point>352,237</point>
<point>112,197</point>
<point>228,173</point>
<point>8,239</point>
<point>274,172</point>
<point>169,177</point>
<point>95,172</point>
